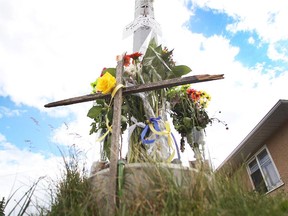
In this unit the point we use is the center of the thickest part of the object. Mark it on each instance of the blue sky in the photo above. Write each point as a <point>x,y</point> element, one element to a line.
<point>46,56</point>
<point>210,22</point>
<point>27,127</point>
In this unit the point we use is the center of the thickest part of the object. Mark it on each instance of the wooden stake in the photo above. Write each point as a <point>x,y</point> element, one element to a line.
<point>140,88</point>
<point>114,149</point>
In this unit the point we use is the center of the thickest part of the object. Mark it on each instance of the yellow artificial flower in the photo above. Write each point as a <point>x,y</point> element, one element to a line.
<point>204,100</point>
<point>206,95</point>
<point>106,83</point>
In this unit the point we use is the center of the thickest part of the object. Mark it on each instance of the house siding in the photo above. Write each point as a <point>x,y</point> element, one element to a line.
<point>263,135</point>
<point>278,148</point>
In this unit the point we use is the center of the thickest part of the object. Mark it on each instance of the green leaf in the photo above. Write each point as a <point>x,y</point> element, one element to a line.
<point>94,112</point>
<point>198,128</point>
<point>187,122</point>
<point>107,145</point>
<point>125,108</point>
<point>110,115</point>
<point>153,43</point>
<point>123,119</point>
<point>112,71</point>
<point>160,59</point>
<point>93,128</point>
<point>159,49</point>
<point>100,102</point>
<point>148,60</point>
<point>179,71</point>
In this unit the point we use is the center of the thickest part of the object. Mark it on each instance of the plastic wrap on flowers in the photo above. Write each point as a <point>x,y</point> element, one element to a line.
<point>158,151</point>
<point>156,142</point>
<point>155,137</point>
<point>196,139</point>
<point>149,113</point>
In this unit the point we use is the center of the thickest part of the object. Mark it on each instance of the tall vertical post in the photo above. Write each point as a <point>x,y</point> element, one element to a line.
<point>144,20</point>
<point>114,150</point>
<point>144,15</point>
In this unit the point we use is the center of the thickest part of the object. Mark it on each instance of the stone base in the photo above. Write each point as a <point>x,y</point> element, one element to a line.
<point>142,182</point>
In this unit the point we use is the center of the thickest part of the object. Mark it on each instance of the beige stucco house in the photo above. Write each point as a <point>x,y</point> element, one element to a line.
<point>262,157</point>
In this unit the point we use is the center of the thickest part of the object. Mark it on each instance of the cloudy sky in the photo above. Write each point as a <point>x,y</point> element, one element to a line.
<point>53,50</point>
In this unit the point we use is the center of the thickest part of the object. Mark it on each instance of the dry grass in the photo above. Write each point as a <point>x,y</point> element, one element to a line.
<point>159,190</point>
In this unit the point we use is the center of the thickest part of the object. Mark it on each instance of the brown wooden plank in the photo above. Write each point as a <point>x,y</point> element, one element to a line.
<point>115,139</point>
<point>140,88</point>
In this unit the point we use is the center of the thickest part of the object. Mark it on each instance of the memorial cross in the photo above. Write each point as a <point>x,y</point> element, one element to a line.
<point>144,27</point>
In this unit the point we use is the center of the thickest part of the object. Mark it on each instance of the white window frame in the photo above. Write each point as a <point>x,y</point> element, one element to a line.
<point>254,157</point>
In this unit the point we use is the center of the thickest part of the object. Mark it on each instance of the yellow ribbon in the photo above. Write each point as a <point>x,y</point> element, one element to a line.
<point>107,132</point>
<point>115,90</point>
<point>166,132</point>
<point>106,118</point>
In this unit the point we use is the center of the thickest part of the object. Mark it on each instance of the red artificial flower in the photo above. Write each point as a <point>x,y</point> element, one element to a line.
<point>194,94</point>
<point>126,60</point>
<point>135,55</point>
<point>189,91</point>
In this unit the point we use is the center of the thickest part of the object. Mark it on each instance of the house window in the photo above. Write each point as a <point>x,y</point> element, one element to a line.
<point>263,172</point>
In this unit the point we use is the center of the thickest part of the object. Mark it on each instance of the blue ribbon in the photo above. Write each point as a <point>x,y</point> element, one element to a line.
<point>146,130</point>
<point>156,126</point>
<point>177,148</point>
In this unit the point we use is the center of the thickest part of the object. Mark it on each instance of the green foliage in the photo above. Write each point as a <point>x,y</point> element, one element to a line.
<point>72,195</point>
<point>73,192</point>
<point>156,65</point>
<point>179,70</point>
<point>160,192</point>
<point>189,115</point>
<point>199,194</point>
<point>98,113</point>
<point>112,71</point>
<point>102,115</point>
<point>95,111</point>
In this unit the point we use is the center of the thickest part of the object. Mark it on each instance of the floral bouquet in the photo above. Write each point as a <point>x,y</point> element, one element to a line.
<point>145,114</point>
<point>189,115</point>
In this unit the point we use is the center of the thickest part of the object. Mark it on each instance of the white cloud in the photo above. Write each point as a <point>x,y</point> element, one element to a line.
<point>6,112</point>
<point>52,52</point>
<point>244,96</point>
<point>278,51</point>
<point>2,138</point>
<point>251,40</point>
<point>266,18</point>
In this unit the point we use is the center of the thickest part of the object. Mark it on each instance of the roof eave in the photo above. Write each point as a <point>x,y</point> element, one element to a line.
<point>231,160</point>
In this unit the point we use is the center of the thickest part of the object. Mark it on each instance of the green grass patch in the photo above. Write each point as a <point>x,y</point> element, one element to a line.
<point>155,189</point>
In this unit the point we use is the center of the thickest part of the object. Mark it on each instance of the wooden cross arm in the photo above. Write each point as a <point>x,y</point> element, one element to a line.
<point>140,88</point>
